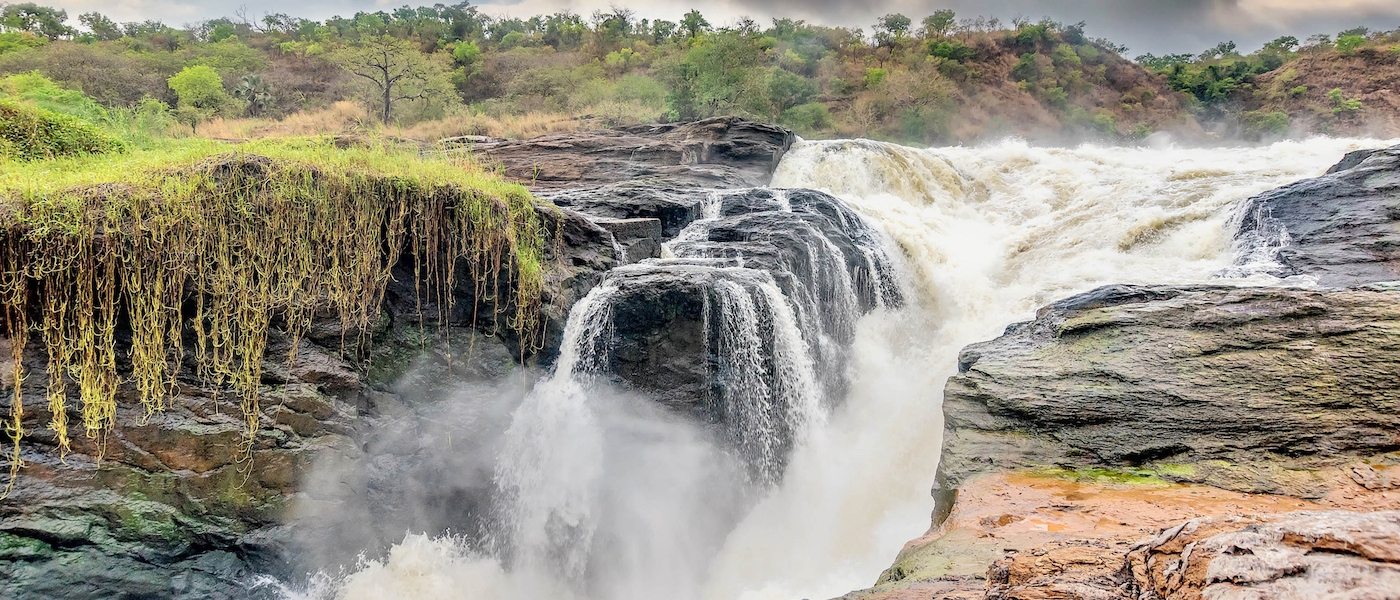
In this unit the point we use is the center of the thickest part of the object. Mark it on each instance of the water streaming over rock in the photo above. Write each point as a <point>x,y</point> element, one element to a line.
<point>792,318</point>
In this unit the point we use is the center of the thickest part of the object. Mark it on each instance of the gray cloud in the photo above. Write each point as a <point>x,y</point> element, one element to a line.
<point>1158,26</point>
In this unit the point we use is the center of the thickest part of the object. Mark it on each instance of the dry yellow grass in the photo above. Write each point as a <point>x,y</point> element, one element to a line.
<point>506,126</point>
<point>341,117</point>
<point>349,117</point>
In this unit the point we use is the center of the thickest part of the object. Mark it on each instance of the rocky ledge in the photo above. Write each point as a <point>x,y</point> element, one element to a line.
<point>716,152</point>
<point>1154,442</point>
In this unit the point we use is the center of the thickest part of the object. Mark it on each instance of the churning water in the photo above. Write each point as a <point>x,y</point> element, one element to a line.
<point>605,497</point>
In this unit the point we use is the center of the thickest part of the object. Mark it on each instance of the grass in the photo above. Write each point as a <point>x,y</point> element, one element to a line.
<point>247,234</point>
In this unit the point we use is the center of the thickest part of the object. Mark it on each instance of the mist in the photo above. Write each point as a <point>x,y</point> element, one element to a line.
<point>435,482</point>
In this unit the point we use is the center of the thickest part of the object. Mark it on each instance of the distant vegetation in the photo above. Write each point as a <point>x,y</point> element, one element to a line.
<point>1321,84</point>
<point>450,70</point>
<point>432,72</point>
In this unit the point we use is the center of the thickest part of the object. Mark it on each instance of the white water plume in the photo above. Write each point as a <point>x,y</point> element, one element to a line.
<point>987,235</point>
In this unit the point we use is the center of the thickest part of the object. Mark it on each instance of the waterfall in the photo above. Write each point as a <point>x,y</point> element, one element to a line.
<point>988,234</point>
<point>831,354</point>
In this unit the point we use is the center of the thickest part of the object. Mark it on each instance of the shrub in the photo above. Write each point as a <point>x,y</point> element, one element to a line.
<point>201,94</point>
<point>874,76</point>
<point>1341,104</point>
<point>1257,123</point>
<point>199,86</point>
<point>950,50</point>
<point>641,89</point>
<point>19,40</point>
<point>807,118</point>
<point>1348,44</point>
<point>1065,56</point>
<point>1028,69</point>
<point>41,92</point>
<point>924,123</point>
<point>30,133</point>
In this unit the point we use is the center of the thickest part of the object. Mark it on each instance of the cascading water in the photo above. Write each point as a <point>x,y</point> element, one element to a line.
<point>985,235</point>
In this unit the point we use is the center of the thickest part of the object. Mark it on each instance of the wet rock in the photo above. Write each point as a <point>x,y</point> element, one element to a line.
<point>1340,228</point>
<point>173,509</point>
<point>1123,411</point>
<point>576,255</point>
<point>1246,389</point>
<point>818,253</point>
<point>1332,554</point>
<point>675,206</point>
<point>721,151</point>
<point>639,239</point>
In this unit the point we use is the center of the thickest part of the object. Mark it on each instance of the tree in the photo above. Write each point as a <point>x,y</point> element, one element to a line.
<point>693,24</point>
<point>102,28</point>
<point>891,29</point>
<point>940,23</point>
<point>1283,44</point>
<point>1348,44</point>
<point>200,92</point>
<point>39,20</point>
<point>662,30</point>
<point>395,69</point>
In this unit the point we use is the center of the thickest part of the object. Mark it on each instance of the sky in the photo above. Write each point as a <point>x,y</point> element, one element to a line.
<point>1156,26</point>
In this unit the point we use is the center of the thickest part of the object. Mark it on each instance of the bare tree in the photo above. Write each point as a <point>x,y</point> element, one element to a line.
<point>397,70</point>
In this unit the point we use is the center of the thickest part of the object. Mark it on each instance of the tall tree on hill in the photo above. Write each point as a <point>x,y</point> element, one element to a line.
<point>693,23</point>
<point>39,20</point>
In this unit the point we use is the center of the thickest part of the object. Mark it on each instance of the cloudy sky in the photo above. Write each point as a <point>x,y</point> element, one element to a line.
<point>1157,26</point>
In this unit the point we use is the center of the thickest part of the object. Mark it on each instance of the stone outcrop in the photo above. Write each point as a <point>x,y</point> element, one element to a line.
<point>1339,228</point>
<point>675,206</point>
<point>1125,411</point>
<point>1213,441</point>
<point>716,152</point>
<point>668,317</point>
<point>1246,389</point>
<point>1314,554</point>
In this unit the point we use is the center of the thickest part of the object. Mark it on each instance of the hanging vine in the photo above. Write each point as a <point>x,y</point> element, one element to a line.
<point>224,250</point>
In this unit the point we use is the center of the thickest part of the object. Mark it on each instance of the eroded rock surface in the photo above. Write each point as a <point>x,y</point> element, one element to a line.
<point>1247,389</point>
<point>1334,554</point>
<point>722,151</point>
<point>812,248</point>
<point>1339,228</point>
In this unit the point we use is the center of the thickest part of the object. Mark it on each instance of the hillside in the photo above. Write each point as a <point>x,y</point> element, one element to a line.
<point>1289,88</point>
<point>938,80</point>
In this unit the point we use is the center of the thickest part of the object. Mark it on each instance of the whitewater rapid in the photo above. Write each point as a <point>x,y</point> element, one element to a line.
<point>984,236</point>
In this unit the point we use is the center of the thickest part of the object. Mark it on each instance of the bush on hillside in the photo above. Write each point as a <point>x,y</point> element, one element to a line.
<point>30,133</point>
